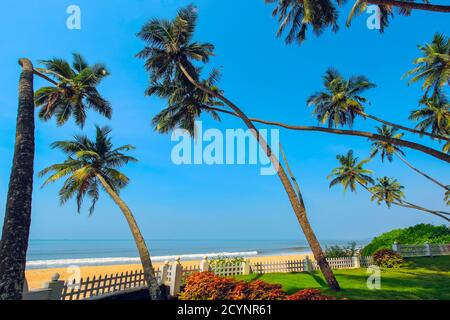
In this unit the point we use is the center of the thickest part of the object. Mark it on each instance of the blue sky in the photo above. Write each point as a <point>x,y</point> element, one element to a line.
<point>263,76</point>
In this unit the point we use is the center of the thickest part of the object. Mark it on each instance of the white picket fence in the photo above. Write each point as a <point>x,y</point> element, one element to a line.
<point>421,250</point>
<point>174,275</point>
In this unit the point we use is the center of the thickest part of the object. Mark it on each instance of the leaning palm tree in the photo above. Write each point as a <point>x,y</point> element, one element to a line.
<point>90,165</point>
<point>71,92</point>
<point>75,93</point>
<point>169,55</point>
<point>433,68</point>
<point>341,101</point>
<point>387,150</point>
<point>434,116</point>
<point>352,173</point>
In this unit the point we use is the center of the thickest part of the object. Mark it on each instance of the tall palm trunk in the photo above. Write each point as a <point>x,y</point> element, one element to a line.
<point>149,272</point>
<point>422,173</point>
<point>411,5</point>
<point>298,206</point>
<point>16,226</point>
<point>372,136</point>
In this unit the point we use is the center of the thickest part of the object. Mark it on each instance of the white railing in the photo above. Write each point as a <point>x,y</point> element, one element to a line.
<point>276,267</point>
<point>421,250</point>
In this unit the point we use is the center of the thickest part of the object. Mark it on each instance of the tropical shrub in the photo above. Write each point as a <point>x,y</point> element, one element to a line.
<point>418,234</point>
<point>309,294</point>
<point>223,260</point>
<point>341,251</point>
<point>387,258</point>
<point>208,286</point>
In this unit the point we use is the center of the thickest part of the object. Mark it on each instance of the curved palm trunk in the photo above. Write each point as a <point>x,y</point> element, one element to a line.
<point>16,226</point>
<point>422,173</point>
<point>409,205</point>
<point>298,206</point>
<point>411,5</point>
<point>149,272</point>
<point>372,136</point>
<point>398,126</point>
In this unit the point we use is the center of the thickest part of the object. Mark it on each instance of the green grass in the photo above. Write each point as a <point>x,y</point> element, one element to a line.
<point>419,278</point>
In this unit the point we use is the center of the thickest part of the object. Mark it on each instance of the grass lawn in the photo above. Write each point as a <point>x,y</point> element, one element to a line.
<point>419,278</point>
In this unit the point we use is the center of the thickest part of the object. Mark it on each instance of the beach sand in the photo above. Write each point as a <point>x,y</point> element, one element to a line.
<point>37,277</point>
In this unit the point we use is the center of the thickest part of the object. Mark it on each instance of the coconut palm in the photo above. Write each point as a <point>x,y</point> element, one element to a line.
<point>70,92</point>
<point>351,172</point>
<point>433,68</point>
<point>16,226</point>
<point>388,150</point>
<point>387,190</point>
<point>90,166</point>
<point>75,91</point>
<point>434,116</point>
<point>185,103</point>
<point>170,53</point>
<point>341,101</point>
<point>298,16</point>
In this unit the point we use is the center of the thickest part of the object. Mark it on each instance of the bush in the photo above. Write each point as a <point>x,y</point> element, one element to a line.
<point>341,251</point>
<point>387,258</point>
<point>208,286</point>
<point>309,294</point>
<point>418,234</point>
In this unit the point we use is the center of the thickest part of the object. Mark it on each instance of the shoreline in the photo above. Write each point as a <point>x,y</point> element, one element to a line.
<point>37,277</point>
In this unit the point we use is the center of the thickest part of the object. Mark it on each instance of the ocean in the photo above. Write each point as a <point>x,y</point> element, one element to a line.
<point>63,253</point>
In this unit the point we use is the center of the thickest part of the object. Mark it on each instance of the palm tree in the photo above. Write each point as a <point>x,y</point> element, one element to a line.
<point>62,100</point>
<point>89,165</point>
<point>170,54</point>
<point>341,102</point>
<point>390,191</point>
<point>433,68</point>
<point>16,226</point>
<point>75,93</point>
<point>435,115</point>
<point>352,173</point>
<point>447,198</point>
<point>388,150</point>
<point>298,15</point>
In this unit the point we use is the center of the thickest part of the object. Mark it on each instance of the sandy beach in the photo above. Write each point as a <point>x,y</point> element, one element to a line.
<point>37,277</point>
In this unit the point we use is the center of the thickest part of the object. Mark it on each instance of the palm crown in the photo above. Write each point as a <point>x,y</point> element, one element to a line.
<point>341,101</point>
<point>87,161</point>
<point>433,68</point>
<point>435,115</point>
<point>75,93</point>
<point>185,103</point>
<point>299,15</point>
<point>169,43</point>
<point>387,190</point>
<point>350,172</point>
<point>387,149</point>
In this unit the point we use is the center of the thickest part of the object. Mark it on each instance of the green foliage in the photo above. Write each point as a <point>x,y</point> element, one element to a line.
<point>387,258</point>
<point>341,251</point>
<point>208,286</point>
<point>223,260</point>
<point>418,234</point>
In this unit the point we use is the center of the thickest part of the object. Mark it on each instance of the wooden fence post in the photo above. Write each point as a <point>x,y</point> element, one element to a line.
<point>427,249</point>
<point>395,247</point>
<point>246,268</point>
<point>307,265</point>
<point>56,287</point>
<point>164,271</point>
<point>357,261</point>
<point>175,278</point>
<point>204,265</point>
